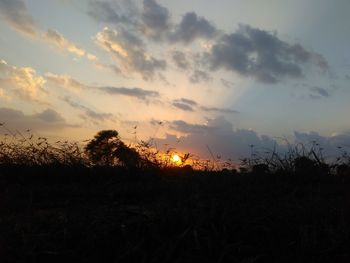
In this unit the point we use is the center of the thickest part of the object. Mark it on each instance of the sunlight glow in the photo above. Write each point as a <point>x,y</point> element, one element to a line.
<point>176,159</point>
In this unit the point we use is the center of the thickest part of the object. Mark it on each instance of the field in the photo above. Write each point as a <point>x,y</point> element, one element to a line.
<point>56,214</point>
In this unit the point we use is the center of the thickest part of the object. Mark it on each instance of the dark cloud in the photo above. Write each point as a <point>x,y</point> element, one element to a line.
<point>199,76</point>
<point>111,12</point>
<point>180,59</point>
<point>185,104</point>
<point>115,69</point>
<point>319,92</point>
<point>220,110</point>
<point>88,113</point>
<point>49,116</point>
<point>187,101</point>
<point>191,105</point>
<point>332,146</point>
<point>138,93</point>
<point>15,13</point>
<point>153,21</point>
<point>226,83</point>
<point>188,128</point>
<point>155,18</point>
<point>182,106</point>
<point>219,136</point>
<point>262,55</point>
<point>193,27</point>
<point>47,119</point>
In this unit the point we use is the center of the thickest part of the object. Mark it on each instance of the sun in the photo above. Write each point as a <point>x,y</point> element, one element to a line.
<point>176,159</point>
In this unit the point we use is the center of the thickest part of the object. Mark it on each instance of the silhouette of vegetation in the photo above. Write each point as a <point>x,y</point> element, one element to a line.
<point>62,201</point>
<point>107,149</point>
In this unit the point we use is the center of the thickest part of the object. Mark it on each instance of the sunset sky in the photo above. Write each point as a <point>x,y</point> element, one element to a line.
<point>195,74</point>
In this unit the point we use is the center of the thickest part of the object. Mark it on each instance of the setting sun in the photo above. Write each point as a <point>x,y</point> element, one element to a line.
<point>176,159</point>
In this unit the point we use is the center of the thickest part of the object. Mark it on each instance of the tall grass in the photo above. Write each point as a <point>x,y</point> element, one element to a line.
<point>27,149</point>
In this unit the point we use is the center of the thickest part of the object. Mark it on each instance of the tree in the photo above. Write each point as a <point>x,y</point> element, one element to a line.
<point>107,149</point>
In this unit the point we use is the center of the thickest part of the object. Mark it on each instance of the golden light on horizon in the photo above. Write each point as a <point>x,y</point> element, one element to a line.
<point>176,159</point>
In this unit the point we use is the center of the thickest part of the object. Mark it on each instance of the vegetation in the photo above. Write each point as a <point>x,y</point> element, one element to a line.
<point>109,202</point>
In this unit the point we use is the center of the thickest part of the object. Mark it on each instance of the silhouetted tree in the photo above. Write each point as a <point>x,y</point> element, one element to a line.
<point>107,149</point>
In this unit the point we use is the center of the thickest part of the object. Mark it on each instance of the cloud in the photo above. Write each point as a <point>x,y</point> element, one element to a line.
<point>88,113</point>
<point>217,134</point>
<point>110,12</point>
<point>185,104</point>
<point>257,53</point>
<point>220,110</point>
<point>226,83</point>
<point>71,84</point>
<point>22,82</point>
<point>47,119</point>
<point>91,57</point>
<point>184,127</point>
<point>193,27</point>
<point>187,101</point>
<point>49,116</point>
<point>180,59</point>
<point>138,93</point>
<point>191,105</point>
<point>199,76</point>
<point>319,92</point>
<point>182,106</point>
<point>155,19</point>
<point>15,13</point>
<point>60,42</point>
<point>332,146</point>
<point>129,51</point>
<point>3,94</point>
<point>222,139</point>
<point>66,82</point>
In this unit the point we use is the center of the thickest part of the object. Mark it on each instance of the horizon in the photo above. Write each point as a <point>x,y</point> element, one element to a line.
<point>192,76</point>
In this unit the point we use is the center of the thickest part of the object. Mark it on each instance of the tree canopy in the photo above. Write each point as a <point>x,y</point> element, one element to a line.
<point>108,149</point>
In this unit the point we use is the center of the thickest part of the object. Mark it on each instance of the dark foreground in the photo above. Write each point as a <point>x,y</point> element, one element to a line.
<point>174,216</point>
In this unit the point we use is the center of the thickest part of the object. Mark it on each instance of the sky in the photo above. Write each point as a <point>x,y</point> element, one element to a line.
<point>191,75</point>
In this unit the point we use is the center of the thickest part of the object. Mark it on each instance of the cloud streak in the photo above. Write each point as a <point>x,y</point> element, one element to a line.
<point>66,82</point>
<point>138,93</point>
<point>15,13</point>
<point>97,117</point>
<point>57,39</point>
<point>70,84</point>
<point>191,106</point>
<point>216,109</point>
<point>48,119</point>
